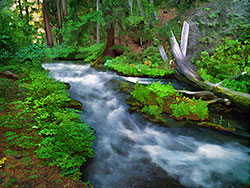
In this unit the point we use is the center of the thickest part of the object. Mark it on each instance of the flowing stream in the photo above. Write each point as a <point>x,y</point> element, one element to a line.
<point>133,152</point>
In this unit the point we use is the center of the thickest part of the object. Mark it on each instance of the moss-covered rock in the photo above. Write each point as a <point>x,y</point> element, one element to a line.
<point>67,85</point>
<point>74,104</point>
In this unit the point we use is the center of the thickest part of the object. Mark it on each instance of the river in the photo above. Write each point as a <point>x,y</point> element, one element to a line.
<point>131,152</point>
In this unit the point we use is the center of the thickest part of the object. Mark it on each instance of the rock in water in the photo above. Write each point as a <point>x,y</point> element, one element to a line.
<point>67,85</point>
<point>74,104</point>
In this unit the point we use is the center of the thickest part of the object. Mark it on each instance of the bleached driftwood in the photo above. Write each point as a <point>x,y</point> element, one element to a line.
<point>185,72</point>
<point>184,38</point>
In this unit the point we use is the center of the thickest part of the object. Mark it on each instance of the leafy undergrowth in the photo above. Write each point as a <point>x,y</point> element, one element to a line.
<point>149,63</point>
<point>156,99</point>
<point>34,119</point>
<point>225,62</point>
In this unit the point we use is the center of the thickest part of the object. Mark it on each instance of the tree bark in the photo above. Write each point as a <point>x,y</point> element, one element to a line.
<point>49,37</point>
<point>26,8</point>
<point>65,10</point>
<point>130,2</point>
<point>139,5</point>
<point>59,18</point>
<point>20,7</point>
<point>92,36</point>
<point>109,44</point>
<point>97,25</point>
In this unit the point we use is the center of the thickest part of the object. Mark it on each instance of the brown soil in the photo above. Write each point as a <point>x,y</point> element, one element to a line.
<point>129,42</point>
<point>165,17</point>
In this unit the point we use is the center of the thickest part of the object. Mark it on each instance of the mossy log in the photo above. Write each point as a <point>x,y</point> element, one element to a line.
<point>186,73</point>
<point>216,126</point>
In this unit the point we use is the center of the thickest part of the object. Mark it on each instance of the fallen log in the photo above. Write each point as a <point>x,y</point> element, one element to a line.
<point>186,73</point>
<point>205,95</point>
<point>9,75</point>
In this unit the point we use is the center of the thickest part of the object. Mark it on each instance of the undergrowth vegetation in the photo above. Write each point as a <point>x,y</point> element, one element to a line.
<point>149,63</point>
<point>156,99</point>
<point>42,122</point>
<point>225,63</point>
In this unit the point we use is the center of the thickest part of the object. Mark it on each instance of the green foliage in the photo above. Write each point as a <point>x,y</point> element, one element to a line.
<point>136,69</point>
<point>153,110</point>
<point>61,137</point>
<point>10,182</point>
<point>186,107</point>
<point>156,97</point>
<point>225,61</point>
<point>58,51</point>
<point>181,109</point>
<point>90,53</point>
<point>241,84</point>
<point>174,25</point>
<point>130,64</point>
<point>66,141</point>
<point>15,33</point>
<point>141,93</point>
<point>152,54</point>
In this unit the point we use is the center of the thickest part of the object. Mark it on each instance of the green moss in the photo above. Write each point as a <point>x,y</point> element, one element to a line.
<point>216,126</point>
<point>240,100</point>
<point>74,104</point>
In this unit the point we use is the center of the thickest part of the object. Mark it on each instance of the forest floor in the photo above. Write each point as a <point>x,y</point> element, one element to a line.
<point>21,167</point>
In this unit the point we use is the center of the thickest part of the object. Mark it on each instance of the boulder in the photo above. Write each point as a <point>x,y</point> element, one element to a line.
<point>67,85</point>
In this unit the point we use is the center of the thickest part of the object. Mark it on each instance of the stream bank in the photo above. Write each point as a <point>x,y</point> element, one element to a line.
<point>133,152</point>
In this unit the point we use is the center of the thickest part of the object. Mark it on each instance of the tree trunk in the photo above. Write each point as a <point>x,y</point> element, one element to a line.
<point>92,36</point>
<point>160,47</point>
<point>109,44</point>
<point>20,7</point>
<point>65,10</point>
<point>130,2</point>
<point>49,37</point>
<point>110,41</point>
<point>97,25</point>
<point>37,2</point>
<point>185,72</point>
<point>26,8</point>
<point>59,18</point>
<point>139,5</point>
<point>155,15</point>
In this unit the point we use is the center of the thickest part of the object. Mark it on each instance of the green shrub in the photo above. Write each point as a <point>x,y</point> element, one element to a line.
<point>225,61</point>
<point>125,66</point>
<point>90,53</point>
<point>185,107</point>
<point>64,140</point>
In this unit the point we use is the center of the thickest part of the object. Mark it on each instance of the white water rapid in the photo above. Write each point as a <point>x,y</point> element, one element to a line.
<point>132,152</point>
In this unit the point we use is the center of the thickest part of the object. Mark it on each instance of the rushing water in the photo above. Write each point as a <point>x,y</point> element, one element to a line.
<point>132,152</point>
